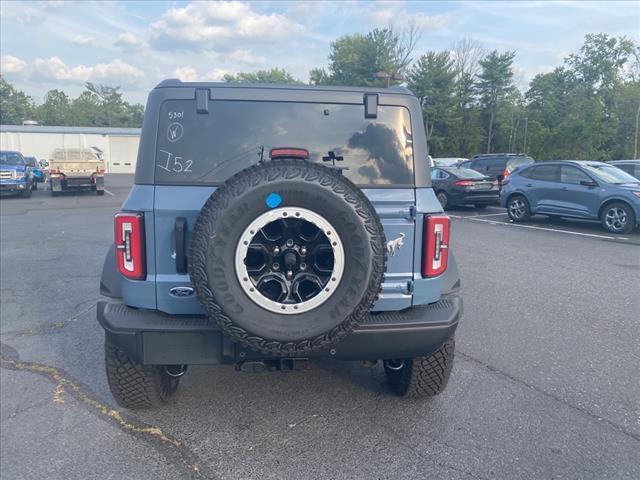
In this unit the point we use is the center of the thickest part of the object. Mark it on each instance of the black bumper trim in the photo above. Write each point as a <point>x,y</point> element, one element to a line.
<point>152,337</point>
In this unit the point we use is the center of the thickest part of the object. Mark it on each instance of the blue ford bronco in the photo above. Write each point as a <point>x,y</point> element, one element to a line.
<point>269,225</point>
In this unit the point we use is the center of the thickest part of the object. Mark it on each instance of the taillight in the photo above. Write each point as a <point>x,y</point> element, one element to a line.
<point>435,248</point>
<point>463,183</point>
<point>129,230</point>
<point>505,174</point>
<point>289,153</point>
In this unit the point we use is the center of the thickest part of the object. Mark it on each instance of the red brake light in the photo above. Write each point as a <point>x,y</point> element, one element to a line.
<point>506,173</point>
<point>435,248</point>
<point>289,153</point>
<point>129,236</point>
<point>463,183</point>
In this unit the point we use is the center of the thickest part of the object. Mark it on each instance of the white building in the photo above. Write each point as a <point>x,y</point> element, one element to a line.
<point>117,146</point>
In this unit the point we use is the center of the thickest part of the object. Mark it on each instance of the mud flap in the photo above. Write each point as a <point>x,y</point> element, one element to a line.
<point>56,185</point>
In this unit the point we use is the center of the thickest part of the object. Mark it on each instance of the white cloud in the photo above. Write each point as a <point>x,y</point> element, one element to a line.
<point>128,41</point>
<point>219,26</point>
<point>190,74</point>
<point>116,70</point>
<point>28,13</point>
<point>395,14</point>
<point>55,69</point>
<point>186,74</point>
<point>11,64</point>
<point>82,40</point>
<point>247,57</point>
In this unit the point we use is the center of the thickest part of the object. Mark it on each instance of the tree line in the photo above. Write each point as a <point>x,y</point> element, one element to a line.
<point>96,106</point>
<point>586,108</point>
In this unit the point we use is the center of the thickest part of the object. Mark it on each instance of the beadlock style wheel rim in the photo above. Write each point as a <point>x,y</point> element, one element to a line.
<point>289,260</point>
<point>616,219</point>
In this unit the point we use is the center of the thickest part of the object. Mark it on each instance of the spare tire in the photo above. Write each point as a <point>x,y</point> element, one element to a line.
<point>287,257</point>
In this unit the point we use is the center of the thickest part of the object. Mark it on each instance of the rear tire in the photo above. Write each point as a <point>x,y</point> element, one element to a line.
<point>100,192</point>
<point>518,209</point>
<point>134,385</point>
<point>618,217</point>
<point>26,193</point>
<point>443,198</point>
<point>421,376</point>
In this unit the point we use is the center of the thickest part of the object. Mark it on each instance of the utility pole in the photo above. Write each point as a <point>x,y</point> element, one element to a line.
<point>635,147</point>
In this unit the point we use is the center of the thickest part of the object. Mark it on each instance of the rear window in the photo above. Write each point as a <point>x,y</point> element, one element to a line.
<point>208,148</point>
<point>465,173</point>
<point>547,173</point>
<point>516,162</point>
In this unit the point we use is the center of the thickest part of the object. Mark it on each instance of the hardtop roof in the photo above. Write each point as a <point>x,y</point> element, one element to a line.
<point>173,83</point>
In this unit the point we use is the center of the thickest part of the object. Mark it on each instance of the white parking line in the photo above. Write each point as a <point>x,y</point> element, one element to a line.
<point>593,235</point>
<point>108,192</point>
<point>487,215</point>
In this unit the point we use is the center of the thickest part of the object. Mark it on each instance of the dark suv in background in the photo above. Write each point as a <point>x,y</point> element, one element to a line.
<point>632,167</point>
<point>497,166</point>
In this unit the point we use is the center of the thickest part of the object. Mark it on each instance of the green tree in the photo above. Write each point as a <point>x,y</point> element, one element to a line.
<point>15,106</point>
<point>135,114</point>
<point>432,80</point>
<point>56,109</point>
<point>274,75</point>
<point>587,109</point>
<point>466,132</point>
<point>355,59</point>
<point>601,60</point>
<point>494,85</point>
<point>113,108</point>
<point>85,110</point>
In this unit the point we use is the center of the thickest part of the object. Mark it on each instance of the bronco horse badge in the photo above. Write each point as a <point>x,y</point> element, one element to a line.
<point>395,245</point>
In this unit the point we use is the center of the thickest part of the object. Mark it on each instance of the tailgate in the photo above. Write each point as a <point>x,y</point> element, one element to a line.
<point>394,206</point>
<point>77,169</point>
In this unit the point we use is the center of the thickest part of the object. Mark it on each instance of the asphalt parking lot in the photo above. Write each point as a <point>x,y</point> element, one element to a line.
<point>546,380</point>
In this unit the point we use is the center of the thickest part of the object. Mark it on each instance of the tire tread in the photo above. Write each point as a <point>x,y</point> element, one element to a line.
<point>424,376</point>
<point>136,386</point>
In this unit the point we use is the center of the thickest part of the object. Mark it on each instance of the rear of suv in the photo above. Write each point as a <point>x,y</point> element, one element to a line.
<point>269,225</point>
<point>497,166</point>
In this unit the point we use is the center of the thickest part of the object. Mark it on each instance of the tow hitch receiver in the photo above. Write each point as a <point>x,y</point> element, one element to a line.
<point>283,364</point>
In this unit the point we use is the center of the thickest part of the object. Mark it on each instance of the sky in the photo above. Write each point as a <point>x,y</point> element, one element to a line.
<point>135,44</point>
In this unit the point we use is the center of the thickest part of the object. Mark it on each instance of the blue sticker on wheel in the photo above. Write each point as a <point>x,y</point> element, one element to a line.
<point>273,200</point>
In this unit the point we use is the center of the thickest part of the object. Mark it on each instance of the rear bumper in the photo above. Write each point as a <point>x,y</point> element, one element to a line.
<point>76,183</point>
<point>476,198</point>
<point>154,338</point>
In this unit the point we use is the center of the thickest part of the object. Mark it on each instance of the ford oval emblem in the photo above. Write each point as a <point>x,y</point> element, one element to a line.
<point>181,292</point>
